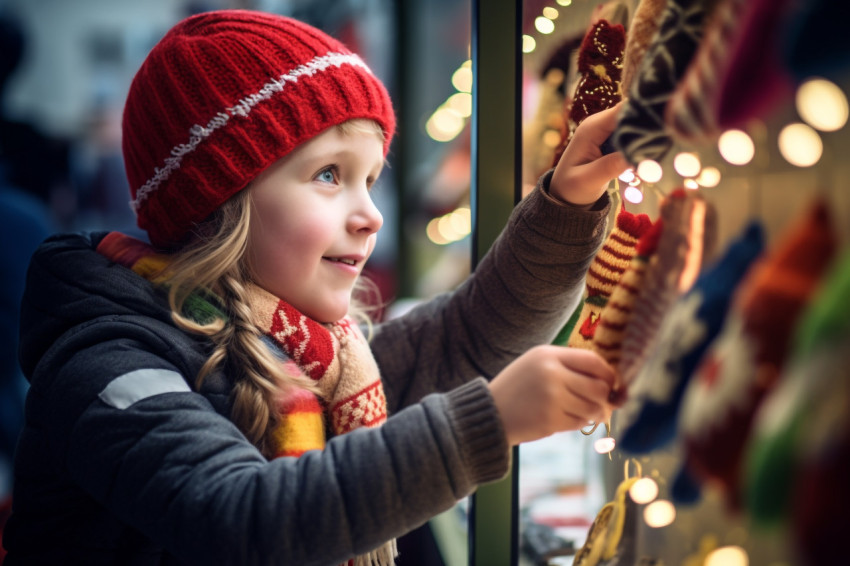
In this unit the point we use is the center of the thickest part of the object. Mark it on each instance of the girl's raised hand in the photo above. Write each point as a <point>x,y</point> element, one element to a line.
<point>583,173</point>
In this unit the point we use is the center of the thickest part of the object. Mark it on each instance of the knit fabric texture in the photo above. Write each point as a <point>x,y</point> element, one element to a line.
<point>223,95</point>
<point>743,364</point>
<point>609,264</point>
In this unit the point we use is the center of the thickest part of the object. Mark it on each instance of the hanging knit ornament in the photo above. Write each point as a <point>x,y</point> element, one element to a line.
<point>806,417</point>
<point>609,264</point>
<point>642,30</point>
<point>648,419</point>
<point>755,81</point>
<point>687,239</point>
<point>691,114</point>
<point>742,365</point>
<point>640,132</point>
<point>600,64</point>
<point>815,42</point>
<point>617,312</point>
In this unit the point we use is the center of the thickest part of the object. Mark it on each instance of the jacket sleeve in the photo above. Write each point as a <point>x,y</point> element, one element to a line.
<point>522,292</point>
<point>160,459</point>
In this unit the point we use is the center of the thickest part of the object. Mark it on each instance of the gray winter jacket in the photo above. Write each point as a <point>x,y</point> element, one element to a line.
<point>109,474</point>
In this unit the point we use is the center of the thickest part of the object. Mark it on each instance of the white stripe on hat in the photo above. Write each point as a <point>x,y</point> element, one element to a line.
<point>243,107</point>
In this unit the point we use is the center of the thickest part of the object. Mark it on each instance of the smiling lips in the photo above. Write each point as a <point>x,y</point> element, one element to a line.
<point>344,260</point>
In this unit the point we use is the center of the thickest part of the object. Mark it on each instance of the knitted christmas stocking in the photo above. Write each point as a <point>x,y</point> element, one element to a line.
<point>755,81</point>
<point>648,419</point>
<point>742,364</point>
<point>687,237</point>
<point>617,312</point>
<point>604,273</point>
<point>691,113</point>
<point>815,42</point>
<point>806,417</point>
<point>642,30</point>
<point>600,64</point>
<point>640,132</point>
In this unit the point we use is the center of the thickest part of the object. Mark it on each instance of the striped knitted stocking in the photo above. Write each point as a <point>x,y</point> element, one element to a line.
<point>642,30</point>
<point>605,271</point>
<point>608,338</point>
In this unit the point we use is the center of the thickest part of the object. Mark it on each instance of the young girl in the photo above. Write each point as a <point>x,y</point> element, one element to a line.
<point>206,399</point>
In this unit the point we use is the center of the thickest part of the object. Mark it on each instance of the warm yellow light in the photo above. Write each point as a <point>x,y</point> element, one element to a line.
<point>709,177</point>
<point>433,232</point>
<point>461,102</point>
<point>604,445</point>
<point>659,513</point>
<point>627,176</point>
<point>564,2</point>
<point>528,44</point>
<point>650,171</point>
<point>462,78</point>
<point>736,147</point>
<point>447,229</point>
<point>461,221</point>
<point>544,25</point>
<point>633,194</point>
<point>444,124</point>
<point>822,105</point>
<point>687,164</point>
<point>550,12</point>
<point>800,145</point>
<point>644,490</point>
<point>551,138</point>
<point>690,184</point>
<point>727,556</point>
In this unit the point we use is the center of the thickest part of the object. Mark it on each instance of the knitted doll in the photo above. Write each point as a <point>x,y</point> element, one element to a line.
<point>600,63</point>
<point>640,132</point>
<point>803,424</point>
<point>686,239</point>
<point>648,418</point>
<point>605,271</point>
<point>743,363</point>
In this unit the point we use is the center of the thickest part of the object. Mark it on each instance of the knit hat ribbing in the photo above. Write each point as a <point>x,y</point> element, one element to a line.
<point>221,97</point>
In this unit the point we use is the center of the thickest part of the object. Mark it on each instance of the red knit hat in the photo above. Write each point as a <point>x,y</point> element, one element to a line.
<point>224,95</point>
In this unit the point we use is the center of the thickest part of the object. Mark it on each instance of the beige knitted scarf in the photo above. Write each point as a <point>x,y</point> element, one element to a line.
<point>338,359</point>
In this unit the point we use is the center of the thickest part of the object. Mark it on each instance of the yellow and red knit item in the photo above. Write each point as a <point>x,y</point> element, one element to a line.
<point>604,273</point>
<point>616,314</point>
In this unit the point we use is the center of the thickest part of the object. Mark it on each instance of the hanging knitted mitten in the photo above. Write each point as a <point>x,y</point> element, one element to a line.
<point>600,64</point>
<point>815,42</point>
<point>640,132</point>
<point>604,273</point>
<point>642,30</point>
<point>805,416</point>
<point>687,238</point>
<point>755,81</point>
<point>617,312</point>
<point>648,418</point>
<point>691,113</point>
<point>743,363</point>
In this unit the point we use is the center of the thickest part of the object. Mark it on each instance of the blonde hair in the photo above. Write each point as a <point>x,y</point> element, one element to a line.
<point>216,261</point>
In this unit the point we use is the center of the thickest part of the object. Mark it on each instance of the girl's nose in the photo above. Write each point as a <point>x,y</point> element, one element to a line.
<point>366,216</point>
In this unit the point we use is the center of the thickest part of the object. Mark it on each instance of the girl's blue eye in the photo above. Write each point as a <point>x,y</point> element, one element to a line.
<point>326,176</point>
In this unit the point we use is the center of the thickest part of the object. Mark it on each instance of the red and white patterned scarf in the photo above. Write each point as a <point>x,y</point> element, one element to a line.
<point>338,359</point>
